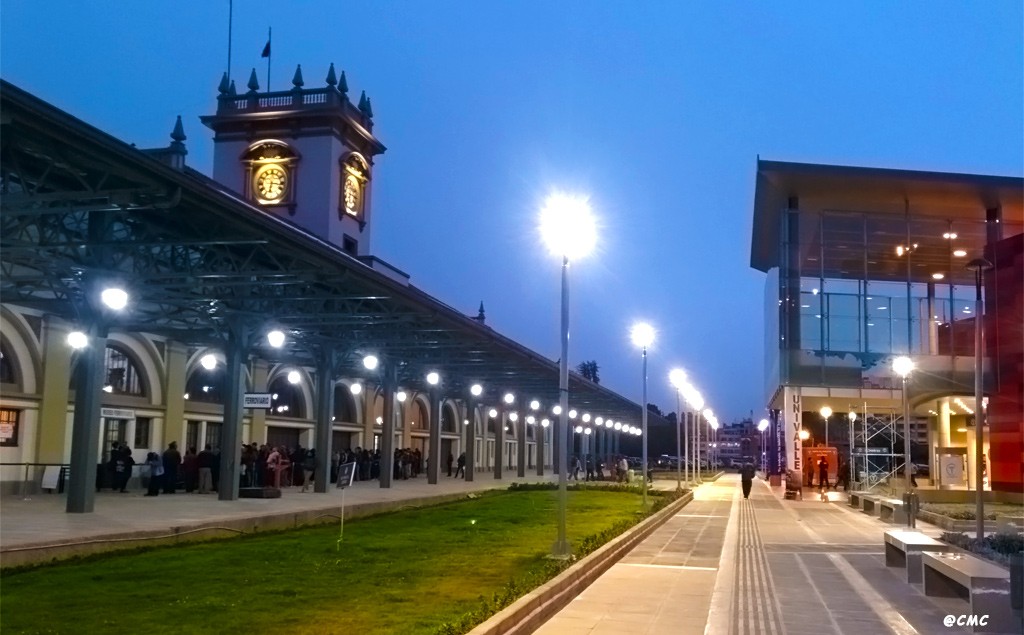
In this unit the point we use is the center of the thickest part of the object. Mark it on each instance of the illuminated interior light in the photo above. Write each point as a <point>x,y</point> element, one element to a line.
<point>959,253</point>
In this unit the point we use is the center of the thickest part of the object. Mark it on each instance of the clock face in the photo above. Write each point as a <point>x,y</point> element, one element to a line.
<point>352,195</point>
<point>271,183</point>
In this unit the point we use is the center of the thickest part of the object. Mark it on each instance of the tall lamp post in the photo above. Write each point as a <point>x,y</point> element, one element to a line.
<point>826,412</point>
<point>903,366</point>
<point>713,459</point>
<point>678,380</point>
<point>979,266</point>
<point>642,335</point>
<point>567,228</point>
<point>762,425</point>
<point>850,473</point>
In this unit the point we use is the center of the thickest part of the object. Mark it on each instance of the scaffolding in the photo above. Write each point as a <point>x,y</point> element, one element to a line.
<point>873,455</point>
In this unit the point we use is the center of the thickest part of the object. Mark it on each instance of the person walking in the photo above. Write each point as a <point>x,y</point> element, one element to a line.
<point>460,466</point>
<point>747,478</point>
<point>913,475</point>
<point>823,473</point>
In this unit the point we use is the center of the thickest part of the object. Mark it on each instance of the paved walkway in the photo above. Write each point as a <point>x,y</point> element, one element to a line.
<point>762,566</point>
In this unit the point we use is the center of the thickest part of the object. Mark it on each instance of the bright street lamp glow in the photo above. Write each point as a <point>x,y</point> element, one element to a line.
<point>677,378</point>
<point>534,405</point>
<point>618,426</point>
<point>401,396</point>
<point>587,430</point>
<point>476,390</point>
<point>356,388</point>
<point>608,423</point>
<point>642,335</point>
<point>114,298</point>
<point>433,378</point>
<point>826,412</point>
<point>77,340</point>
<point>804,435</point>
<point>275,338</point>
<point>370,362</point>
<point>544,423</point>
<point>492,413</point>
<point>209,361</point>
<point>513,416</point>
<point>572,413</point>
<point>599,420</point>
<point>294,377</point>
<point>714,424</point>
<point>902,366</point>
<point>762,425</point>
<point>509,398</point>
<point>530,419</point>
<point>853,416</point>
<point>708,414</point>
<point>567,226</point>
<point>556,409</point>
<point>586,417</point>
<point>578,429</point>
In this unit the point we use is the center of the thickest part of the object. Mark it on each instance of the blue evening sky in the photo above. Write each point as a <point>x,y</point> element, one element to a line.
<point>656,110</point>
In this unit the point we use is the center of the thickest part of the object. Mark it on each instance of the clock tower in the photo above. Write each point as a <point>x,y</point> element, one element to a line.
<point>303,154</point>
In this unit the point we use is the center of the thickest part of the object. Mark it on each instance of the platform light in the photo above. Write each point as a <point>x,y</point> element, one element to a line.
<point>509,398</point>
<point>401,396</point>
<point>578,429</point>
<point>572,413</point>
<point>276,338</point>
<point>209,361</point>
<point>476,390</point>
<point>530,419</point>
<point>77,340</point>
<point>492,413</point>
<point>433,378</point>
<point>114,298</point>
<point>586,417</point>
<point>513,416</point>
<point>534,405</point>
<point>556,410</point>
<point>544,423</point>
<point>294,377</point>
<point>355,388</point>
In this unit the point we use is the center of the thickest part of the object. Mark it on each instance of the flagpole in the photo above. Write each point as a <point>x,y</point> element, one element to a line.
<point>231,12</point>
<point>269,53</point>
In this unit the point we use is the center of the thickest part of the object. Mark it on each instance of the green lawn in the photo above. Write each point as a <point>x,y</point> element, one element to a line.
<point>406,572</point>
<point>965,511</point>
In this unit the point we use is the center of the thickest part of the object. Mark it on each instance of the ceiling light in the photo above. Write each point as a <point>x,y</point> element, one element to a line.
<point>209,361</point>
<point>294,377</point>
<point>275,338</point>
<point>114,298</point>
<point>77,340</point>
<point>356,388</point>
<point>959,253</point>
<point>938,276</point>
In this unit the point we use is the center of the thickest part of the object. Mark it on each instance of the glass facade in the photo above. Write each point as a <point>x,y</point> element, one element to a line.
<point>855,289</point>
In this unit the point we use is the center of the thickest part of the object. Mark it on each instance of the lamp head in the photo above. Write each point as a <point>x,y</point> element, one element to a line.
<point>567,226</point>
<point>642,334</point>
<point>677,378</point>
<point>903,366</point>
<point>826,412</point>
<point>370,362</point>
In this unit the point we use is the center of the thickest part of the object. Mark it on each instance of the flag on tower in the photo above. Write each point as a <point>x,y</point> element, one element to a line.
<point>266,50</point>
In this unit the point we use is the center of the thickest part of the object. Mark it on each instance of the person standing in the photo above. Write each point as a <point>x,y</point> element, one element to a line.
<point>449,462</point>
<point>156,473</point>
<point>190,468</point>
<point>205,461</point>
<point>913,475</point>
<point>308,468</point>
<point>171,459</point>
<point>823,473</point>
<point>747,478</point>
<point>460,468</point>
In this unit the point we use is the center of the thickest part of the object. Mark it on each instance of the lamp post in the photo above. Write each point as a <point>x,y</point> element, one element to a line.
<point>826,412</point>
<point>643,336</point>
<point>903,366</point>
<point>713,459</point>
<point>979,266</point>
<point>761,427</point>
<point>567,228</point>
<point>849,466</point>
<point>678,379</point>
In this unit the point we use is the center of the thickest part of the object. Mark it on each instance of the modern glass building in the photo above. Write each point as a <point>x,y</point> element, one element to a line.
<point>864,265</point>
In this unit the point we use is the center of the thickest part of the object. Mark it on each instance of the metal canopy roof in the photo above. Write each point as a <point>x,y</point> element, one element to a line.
<point>81,208</point>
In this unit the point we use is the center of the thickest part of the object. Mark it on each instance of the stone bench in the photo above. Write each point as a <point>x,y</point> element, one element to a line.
<point>903,548</point>
<point>856,499</point>
<point>869,505</point>
<point>982,584</point>
<point>891,511</point>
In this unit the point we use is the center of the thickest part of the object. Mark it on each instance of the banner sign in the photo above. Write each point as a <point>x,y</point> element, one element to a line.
<point>256,400</point>
<point>116,413</point>
<point>791,415</point>
<point>346,472</point>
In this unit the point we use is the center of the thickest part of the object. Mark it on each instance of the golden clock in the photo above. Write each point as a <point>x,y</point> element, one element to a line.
<point>271,183</point>
<point>352,195</point>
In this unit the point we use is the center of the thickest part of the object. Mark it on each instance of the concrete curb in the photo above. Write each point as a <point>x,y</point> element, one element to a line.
<point>46,552</point>
<point>527,613</point>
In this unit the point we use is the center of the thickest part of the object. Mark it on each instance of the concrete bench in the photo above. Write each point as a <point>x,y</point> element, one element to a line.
<point>903,548</point>
<point>869,505</point>
<point>983,585</point>
<point>891,511</point>
<point>856,499</point>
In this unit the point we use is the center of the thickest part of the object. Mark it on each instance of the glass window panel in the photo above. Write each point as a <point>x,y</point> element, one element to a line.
<point>885,249</point>
<point>930,242</point>
<point>842,241</point>
<point>142,432</point>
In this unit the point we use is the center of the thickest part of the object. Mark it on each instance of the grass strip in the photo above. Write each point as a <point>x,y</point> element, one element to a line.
<point>429,570</point>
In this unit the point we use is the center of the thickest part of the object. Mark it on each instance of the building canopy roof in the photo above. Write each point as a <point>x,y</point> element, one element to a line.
<point>81,209</point>
<point>879,190</point>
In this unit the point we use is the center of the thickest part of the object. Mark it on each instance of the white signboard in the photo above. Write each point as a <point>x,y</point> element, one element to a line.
<point>117,413</point>
<point>951,469</point>
<point>791,413</point>
<point>256,400</point>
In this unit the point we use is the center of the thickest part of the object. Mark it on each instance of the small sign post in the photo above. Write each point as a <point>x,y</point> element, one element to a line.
<point>346,472</point>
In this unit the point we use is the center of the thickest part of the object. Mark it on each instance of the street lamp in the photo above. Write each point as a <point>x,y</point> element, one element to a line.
<point>979,266</point>
<point>762,425</point>
<point>850,471</point>
<point>713,459</point>
<point>567,228</point>
<point>903,366</point>
<point>643,336</point>
<point>826,412</point>
<point>678,380</point>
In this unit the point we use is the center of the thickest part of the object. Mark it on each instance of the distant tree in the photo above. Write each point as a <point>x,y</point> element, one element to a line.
<point>589,371</point>
<point>653,408</point>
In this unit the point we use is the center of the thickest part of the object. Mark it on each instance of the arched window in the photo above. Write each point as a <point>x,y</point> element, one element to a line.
<point>122,376</point>
<point>418,417</point>
<point>205,385</point>
<point>448,418</point>
<point>286,399</point>
<point>8,370</point>
<point>344,405</point>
